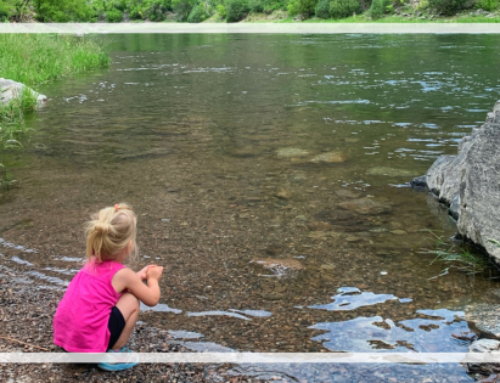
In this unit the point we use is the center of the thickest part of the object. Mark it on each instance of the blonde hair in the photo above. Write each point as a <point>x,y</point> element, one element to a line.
<point>110,231</point>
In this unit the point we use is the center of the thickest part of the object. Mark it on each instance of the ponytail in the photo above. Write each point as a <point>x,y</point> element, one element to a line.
<point>110,231</point>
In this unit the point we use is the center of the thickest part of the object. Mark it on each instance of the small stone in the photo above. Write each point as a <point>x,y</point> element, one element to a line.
<point>353,239</point>
<point>184,223</point>
<point>398,232</point>
<point>319,226</point>
<point>328,267</point>
<point>301,218</point>
<point>283,194</point>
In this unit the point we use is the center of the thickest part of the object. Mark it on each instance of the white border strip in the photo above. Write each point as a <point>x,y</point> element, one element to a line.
<point>253,358</point>
<point>262,28</point>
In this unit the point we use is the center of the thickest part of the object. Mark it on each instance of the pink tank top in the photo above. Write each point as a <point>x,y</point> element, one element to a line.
<point>81,319</point>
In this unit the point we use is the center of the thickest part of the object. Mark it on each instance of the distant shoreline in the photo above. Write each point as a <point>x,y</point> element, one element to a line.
<point>260,28</point>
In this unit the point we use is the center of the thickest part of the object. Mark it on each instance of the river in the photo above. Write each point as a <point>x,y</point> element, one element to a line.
<point>239,151</point>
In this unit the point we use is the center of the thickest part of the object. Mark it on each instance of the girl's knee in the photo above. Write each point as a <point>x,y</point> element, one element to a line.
<point>128,302</point>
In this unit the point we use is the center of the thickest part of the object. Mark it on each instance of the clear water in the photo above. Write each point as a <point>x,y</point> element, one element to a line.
<point>218,142</point>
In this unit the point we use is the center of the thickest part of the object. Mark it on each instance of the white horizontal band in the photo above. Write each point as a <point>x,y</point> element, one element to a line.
<point>254,358</point>
<point>299,28</point>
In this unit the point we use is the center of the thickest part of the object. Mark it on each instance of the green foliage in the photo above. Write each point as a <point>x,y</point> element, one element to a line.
<point>377,9</point>
<point>343,8</point>
<point>183,8</point>
<point>63,10</point>
<point>424,4</point>
<point>17,10</point>
<point>488,5</point>
<point>301,7</point>
<point>459,257</point>
<point>273,5</point>
<point>221,10</point>
<point>322,9</point>
<point>5,11</point>
<point>198,14</point>
<point>236,10</point>
<point>447,7</point>
<point>256,6</point>
<point>114,15</point>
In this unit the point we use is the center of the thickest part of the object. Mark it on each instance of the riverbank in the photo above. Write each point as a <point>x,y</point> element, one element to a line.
<point>36,59</point>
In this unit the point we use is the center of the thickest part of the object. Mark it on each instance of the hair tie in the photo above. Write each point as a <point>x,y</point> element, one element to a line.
<point>116,207</point>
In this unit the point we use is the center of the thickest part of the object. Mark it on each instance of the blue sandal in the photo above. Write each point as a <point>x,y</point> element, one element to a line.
<point>125,359</point>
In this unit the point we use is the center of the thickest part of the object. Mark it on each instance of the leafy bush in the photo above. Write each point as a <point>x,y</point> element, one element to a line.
<point>377,9</point>
<point>198,14</point>
<point>256,6</point>
<point>300,7</point>
<point>221,10</point>
<point>183,8</point>
<point>343,8</point>
<point>322,9</point>
<point>63,10</point>
<point>236,10</point>
<point>114,16</point>
<point>447,7</point>
<point>424,4</point>
<point>5,11</point>
<point>488,5</point>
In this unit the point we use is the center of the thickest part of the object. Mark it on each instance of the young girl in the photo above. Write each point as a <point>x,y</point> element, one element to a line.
<point>101,305</point>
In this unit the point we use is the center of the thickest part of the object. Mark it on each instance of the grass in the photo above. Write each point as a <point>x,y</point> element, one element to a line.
<point>462,258</point>
<point>37,59</point>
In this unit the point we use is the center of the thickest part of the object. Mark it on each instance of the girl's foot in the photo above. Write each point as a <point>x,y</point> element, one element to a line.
<point>119,360</point>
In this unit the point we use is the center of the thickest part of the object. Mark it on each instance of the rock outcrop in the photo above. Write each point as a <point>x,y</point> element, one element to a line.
<point>469,183</point>
<point>10,90</point>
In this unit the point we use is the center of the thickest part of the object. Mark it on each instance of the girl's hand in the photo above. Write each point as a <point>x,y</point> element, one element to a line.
<point>154,272</point>
<point>142,274</point>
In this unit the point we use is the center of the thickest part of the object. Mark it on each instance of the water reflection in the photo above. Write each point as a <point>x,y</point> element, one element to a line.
<point>350,298</point>
<point>431,331</point>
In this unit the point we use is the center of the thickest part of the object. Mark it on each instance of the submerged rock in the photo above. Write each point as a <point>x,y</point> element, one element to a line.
<point>365,206</point>
<point>291,153</point>
<point>419,183</point>
<point>346,193</point>
<point>279,267</point>
<point>330,157</point>
<point>468,183</point>
<point>484,346</point>
<point>483,318</point>
<point>10,90</point>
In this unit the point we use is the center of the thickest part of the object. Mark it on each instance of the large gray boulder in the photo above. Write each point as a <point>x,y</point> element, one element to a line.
<point>10,90</point>
<point>470,183</point>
